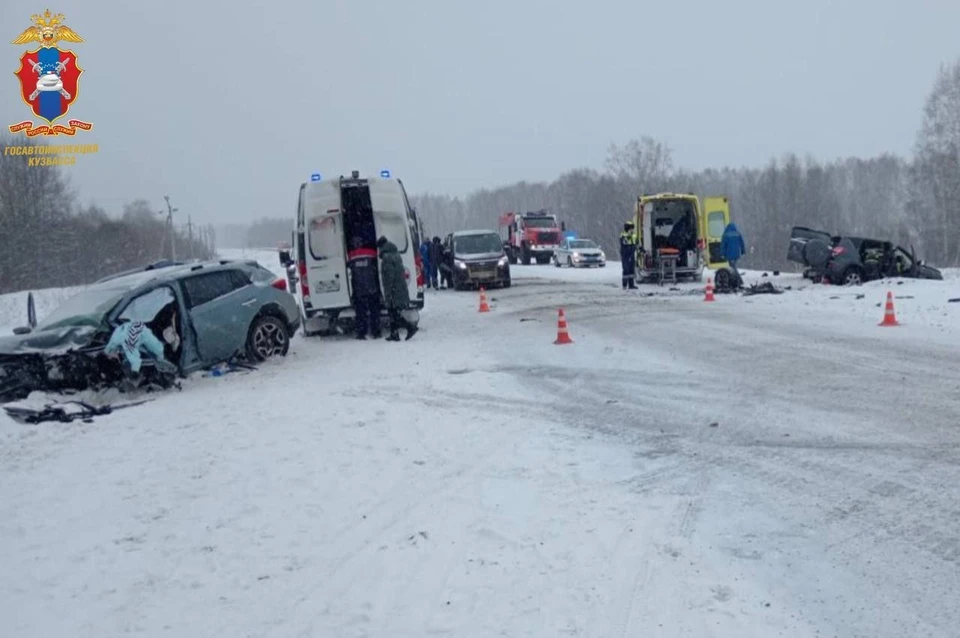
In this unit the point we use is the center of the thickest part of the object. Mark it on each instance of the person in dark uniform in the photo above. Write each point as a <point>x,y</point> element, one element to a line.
<point>446,266</point>
<point>628,256</point>
<point>436,255</point>
<point>365,282</point>
<point>395,293</point>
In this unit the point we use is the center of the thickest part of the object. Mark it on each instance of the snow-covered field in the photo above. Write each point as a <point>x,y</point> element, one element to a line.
<point>775,465</point>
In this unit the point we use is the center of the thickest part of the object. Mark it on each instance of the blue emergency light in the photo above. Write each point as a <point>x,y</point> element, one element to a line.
<point>385,174</point>
<point>315,177</point>
<point>570,234</point>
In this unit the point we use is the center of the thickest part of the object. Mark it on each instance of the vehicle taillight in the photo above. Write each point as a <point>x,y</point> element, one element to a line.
<point>304,284</point>
<point>406,274</point>
<point>838,250</point>
<point>280,284</point>
<point>421,280</point>
<point>701,244</point>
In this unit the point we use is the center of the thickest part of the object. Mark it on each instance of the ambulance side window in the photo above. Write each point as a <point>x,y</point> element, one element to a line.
<point>325,241</point>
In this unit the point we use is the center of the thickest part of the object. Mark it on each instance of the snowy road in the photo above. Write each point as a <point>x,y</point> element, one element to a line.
<point>753,467</point>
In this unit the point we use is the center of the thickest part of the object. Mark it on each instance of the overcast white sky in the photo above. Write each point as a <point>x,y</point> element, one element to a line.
<point>228,107</point>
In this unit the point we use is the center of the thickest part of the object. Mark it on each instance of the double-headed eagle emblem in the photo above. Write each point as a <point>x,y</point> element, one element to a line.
<point>48,29</point>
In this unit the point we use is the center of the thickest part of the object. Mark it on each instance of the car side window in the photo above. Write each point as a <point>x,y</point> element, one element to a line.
<point>147,306</point>
<point>240,278</point>
<point>201,289</point>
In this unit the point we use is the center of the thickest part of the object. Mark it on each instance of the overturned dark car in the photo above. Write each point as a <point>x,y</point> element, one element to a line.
<point>851,261</point>
<point>190,316</point>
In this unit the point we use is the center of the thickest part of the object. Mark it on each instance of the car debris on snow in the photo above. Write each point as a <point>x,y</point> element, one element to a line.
<point>64,412</point>
<point>766,288</point>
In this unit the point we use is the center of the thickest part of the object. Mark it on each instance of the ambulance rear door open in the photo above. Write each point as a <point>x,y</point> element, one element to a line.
<point>714,219</point>
<point>392,220</point>
<point>324,249</point>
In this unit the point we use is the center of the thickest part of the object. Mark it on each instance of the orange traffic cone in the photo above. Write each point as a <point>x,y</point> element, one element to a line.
<point>708,292</point>
<point>484,306</point>
<point>889,316</point>
<point>562,336</point>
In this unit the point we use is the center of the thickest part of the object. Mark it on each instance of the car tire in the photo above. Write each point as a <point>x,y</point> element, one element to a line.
<point>267,338</point>
<point>852,277</point>
<point>722,279</point>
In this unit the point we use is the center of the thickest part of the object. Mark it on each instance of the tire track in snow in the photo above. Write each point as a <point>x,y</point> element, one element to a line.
<point>387,514</point>
<point>783,374</point>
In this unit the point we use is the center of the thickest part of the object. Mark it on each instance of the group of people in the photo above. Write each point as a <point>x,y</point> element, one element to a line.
<point>732,248</point>
<point>436,271</point>
<point>362,261</point>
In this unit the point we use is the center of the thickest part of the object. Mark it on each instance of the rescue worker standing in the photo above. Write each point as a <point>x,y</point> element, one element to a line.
<point>427,262</point>
<point>628,256</point>
<point>395,293</point>
<point>362,262</point>
<point>732,247</point>
<point>436,256</point>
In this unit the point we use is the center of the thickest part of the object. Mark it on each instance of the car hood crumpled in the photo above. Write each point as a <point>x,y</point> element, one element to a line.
<point>55,341</point>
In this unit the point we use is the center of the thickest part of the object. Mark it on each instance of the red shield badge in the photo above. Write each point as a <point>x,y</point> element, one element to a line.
<point>49,81</point>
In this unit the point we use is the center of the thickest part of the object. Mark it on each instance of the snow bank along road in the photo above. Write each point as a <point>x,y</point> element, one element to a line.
<point>766,466</point>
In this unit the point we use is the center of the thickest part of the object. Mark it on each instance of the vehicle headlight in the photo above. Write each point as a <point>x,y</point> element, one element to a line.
<point>502,262</point>
<point>576,256</point>
<point>603,256</point>
<point>459,264</point>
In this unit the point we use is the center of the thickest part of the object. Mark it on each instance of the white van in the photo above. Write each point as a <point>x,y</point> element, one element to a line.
<point>329,214</point>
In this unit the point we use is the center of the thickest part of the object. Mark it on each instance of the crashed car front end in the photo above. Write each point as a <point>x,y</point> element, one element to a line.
<point>76,370</point>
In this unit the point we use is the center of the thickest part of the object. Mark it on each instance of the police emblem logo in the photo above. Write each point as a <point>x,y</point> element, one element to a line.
<point>49,76</point>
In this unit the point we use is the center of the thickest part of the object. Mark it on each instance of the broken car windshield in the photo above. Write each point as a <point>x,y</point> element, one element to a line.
<point>84,309</point>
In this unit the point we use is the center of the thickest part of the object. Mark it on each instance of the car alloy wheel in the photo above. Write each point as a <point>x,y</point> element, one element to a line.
<point>852,278</point>
<point>268,339</point>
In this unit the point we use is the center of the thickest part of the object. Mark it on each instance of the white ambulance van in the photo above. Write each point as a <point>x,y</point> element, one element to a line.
<point>331,213</point>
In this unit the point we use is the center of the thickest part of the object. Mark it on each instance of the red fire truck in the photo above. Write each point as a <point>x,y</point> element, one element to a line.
<point>531,235</point>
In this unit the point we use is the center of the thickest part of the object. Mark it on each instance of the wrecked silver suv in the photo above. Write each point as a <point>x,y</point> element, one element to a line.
<point>191,316</point>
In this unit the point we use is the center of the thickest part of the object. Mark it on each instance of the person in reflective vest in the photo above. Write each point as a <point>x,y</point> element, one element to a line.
<point>365,282</point>
<point>628,256</point>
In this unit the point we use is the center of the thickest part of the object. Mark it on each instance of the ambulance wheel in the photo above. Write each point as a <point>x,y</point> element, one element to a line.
<point>268,338</point>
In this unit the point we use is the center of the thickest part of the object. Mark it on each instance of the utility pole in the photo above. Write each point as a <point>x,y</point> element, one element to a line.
<point>173,241</point>
<point>190,234</point>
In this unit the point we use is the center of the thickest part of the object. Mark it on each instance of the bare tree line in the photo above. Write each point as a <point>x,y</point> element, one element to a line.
<point>914,201</point>
<point>47,239</point>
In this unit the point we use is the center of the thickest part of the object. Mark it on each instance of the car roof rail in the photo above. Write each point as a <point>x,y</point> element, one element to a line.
<point>249,262</point>
<point>157,265</point>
